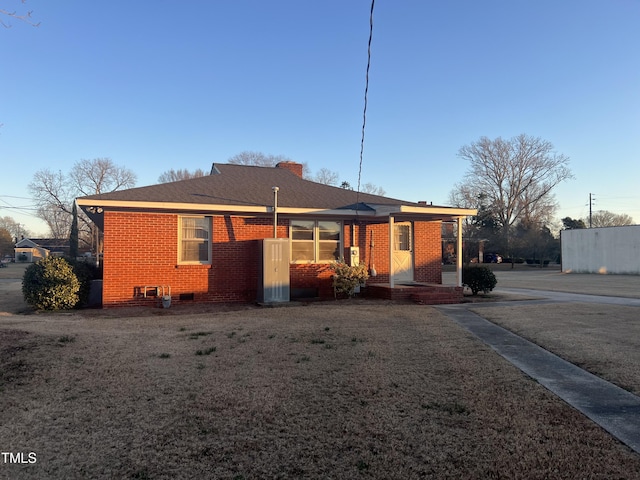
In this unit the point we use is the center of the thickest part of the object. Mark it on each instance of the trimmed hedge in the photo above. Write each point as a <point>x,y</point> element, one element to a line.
<point>51,284</point>
<point>478,278</point>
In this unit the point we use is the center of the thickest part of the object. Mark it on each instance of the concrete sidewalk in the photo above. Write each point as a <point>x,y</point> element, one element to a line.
<point>611,407</point>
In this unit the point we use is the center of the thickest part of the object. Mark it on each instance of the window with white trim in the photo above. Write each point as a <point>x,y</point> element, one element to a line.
<point>315,241</point>
<point>194,240</point>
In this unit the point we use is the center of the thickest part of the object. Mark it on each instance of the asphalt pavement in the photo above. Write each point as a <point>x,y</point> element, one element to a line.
<point>552,279</point>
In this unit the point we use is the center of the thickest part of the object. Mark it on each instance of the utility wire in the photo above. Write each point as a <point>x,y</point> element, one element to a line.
<point>364,113</point>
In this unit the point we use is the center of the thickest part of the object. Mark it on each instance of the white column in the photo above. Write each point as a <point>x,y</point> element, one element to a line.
<point>391,240</point>
<point>459,253</point>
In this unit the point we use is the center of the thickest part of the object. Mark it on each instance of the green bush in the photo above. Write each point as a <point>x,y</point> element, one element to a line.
<point>50,284</point>
<point>478,279</point>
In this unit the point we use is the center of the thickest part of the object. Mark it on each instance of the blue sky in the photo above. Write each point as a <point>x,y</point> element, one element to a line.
<point>169,84</point>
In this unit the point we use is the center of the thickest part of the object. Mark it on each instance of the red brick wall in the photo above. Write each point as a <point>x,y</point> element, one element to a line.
<point>428,252</point>
<point>377,256</point>
<point>141,249</point>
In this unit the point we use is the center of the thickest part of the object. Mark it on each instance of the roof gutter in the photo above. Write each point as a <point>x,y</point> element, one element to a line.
<point>377,210</point>
<point>200,207</point>
<point>386,210</point>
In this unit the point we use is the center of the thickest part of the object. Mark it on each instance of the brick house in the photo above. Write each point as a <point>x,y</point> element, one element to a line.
<point>200,239</point>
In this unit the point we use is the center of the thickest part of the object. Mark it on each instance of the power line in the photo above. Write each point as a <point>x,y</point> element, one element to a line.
<point>12,196</point>
<point>366,91</point>
<point>6,204</point>
<point>13,207</point>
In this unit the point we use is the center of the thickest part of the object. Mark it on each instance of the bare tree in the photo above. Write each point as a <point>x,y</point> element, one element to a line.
<point>510,184</point>
<point>6,242</point>
<point>100,175</point>
<point>54,192</point>
<point>180,174</point>
<point>604,218</point>
<point>257,159</point>
<point>463,196</point>
<point>540,211</point>
<point>515,176</point>
<point>372,189</point>
<point>53,195</point>
<point>326,177</point>
<point>16,230</point>
<point>23,17</point>
<point>58,221</point>
<point>93,177</point>
<point>482,226</point>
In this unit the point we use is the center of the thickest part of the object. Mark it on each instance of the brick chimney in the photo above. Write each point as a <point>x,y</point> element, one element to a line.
<point>292,167</point>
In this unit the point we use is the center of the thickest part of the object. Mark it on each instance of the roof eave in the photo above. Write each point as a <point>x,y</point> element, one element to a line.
<point>200,207</point>
<point>442,213</point>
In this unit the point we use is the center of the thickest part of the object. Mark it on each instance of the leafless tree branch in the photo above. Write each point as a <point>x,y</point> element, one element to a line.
<point>23,17</point>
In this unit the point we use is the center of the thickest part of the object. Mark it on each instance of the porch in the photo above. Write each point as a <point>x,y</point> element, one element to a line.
<point>423,293</point>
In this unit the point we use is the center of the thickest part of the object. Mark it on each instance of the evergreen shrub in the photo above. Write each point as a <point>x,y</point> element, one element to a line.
<point>478,279</point>
<point>50,284</point>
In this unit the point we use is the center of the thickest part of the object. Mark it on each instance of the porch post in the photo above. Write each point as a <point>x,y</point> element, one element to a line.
<point>459,253</point>
<point>391,239</point>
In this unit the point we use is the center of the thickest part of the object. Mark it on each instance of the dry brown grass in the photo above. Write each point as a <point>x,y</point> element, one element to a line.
<point>331,390</point>
<point>603,339</point>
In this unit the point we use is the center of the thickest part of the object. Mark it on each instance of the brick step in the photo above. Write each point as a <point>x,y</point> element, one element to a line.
<point>437,298</point>
<point>424,294</point>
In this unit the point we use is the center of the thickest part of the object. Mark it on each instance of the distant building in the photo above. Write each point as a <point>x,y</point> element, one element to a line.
<point>34,249</point>
<point>601,250</point>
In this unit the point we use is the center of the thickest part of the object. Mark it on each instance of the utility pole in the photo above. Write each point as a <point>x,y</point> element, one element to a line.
<point>591,199</point>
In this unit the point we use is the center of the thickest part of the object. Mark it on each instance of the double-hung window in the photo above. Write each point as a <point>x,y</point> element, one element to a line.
<point>195,240</point>
<point>315,241</point>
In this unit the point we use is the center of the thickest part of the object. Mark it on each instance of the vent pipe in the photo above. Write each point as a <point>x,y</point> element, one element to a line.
<point>275,211</point>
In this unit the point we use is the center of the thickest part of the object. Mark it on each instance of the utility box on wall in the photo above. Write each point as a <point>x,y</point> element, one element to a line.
<point>273,277</point>
<point>354,256</point>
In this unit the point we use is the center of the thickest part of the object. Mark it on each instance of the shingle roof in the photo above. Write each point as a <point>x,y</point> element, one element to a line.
<point>250,185</point>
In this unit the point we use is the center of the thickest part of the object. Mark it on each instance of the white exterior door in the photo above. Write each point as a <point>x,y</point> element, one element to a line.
<point>403,252</point>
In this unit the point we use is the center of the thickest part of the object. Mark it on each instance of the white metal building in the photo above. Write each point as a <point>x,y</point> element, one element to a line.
<point>601,250</point>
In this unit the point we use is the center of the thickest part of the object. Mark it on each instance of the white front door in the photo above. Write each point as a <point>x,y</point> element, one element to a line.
<point>403,252</point>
